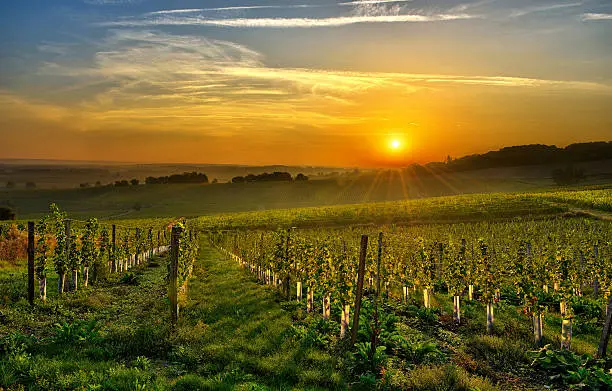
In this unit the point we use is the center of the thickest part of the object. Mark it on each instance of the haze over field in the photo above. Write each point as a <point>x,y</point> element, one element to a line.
<point>326,83</point>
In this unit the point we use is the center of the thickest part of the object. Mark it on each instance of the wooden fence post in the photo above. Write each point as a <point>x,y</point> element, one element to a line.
<point>114,250</point>
<point>137,260</point>
<point>378,259</point>
<point>31,262</point>
<point>605,334</point>
<point>287,282</point>
<point>61,282</point>
<point>376,328</point>
<point>359,293</point>
<point>174,256</point>
<point>150,249</point>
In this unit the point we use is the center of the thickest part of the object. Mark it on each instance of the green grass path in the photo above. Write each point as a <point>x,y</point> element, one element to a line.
<point>239,334</point>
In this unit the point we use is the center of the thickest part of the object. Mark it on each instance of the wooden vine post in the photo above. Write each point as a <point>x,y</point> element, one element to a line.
<point>174,257</point>
<point>287,282</point>
<point>114,249</point>
<point>358,294</point>
<point>31,262</point>
<point>605,335</point>
<point>137,260</point>
<point>150,237</point>
<point>378,259</point>
<point>61,282</point>
<point>376,328</point>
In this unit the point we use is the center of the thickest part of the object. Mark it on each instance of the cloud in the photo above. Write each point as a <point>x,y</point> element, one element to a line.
<point>543,8</point>
<point>234,8</point>
<point>593,16</point>
<point>286,22</point>
<point>14,105</point>
<point>161,81</point>
<point>137,65</point>
<point>281,6</point>
<point>361,2</point>
<point>466,6</point>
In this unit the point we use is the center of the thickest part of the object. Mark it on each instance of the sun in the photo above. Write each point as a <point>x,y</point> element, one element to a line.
<point>395,144</point>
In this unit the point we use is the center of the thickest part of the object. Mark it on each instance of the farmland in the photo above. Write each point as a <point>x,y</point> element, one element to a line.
<point>483,291</point>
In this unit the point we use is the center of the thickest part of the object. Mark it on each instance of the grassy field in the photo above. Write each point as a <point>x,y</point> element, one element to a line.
<point>192,200</point>
<point>235,333</point>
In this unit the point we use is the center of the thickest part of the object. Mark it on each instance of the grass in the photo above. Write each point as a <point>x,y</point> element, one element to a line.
<point>232,335</point>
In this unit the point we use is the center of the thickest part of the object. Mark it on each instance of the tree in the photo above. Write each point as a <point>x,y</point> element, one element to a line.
<point>568,176</point>
<point>10,185</point>
<point>301,177</point>
<point>98,184</point>
<point>186,177</point>
<point>215,180</point>
<point>6,213</point>
<point>238,179</point>
<point>134,182</point>
<point>84,185</point>
<point>30,185</point>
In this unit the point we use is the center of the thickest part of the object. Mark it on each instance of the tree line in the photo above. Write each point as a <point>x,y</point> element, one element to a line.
<point>276,176</point>
<point>526,155</point>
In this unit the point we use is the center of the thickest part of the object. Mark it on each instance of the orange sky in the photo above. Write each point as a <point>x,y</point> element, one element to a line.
<point>322,84</point>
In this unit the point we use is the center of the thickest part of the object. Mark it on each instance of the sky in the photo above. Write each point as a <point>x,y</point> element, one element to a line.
<point>339,83</point>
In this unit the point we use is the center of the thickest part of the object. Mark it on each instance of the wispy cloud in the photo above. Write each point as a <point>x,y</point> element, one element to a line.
<point>141,77</point>
<point>287,22</point>
<point>152,63</point>
<point>594,16</point>
<point>235,8</point>
<point>467,6</point>
<point>280,6</point>
<point>361,2</point>
<point>543,8</point>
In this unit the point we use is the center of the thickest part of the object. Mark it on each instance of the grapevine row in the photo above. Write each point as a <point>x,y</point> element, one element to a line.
<point>531,261</point>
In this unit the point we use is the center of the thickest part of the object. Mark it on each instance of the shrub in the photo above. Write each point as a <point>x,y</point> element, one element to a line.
<point>6,213</point>
<point>14,244</point>
<point>129,279</point>
<point>571,371</point>
<point>77,332</point>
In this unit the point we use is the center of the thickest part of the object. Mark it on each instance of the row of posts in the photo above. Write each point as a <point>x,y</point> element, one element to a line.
<point>605,336</point>
<point>113,265</point>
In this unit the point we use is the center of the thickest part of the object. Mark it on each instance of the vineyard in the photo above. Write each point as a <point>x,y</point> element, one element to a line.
<point>532,264</point>
<point>479,292</point>
<point>461,208</point>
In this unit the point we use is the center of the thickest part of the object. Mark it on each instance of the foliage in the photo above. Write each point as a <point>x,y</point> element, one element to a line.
<point>77,332</point>
<point>568,176</point>
<point>129,279</point>
<point>6,213</point>
<point>13,244</point>
<point>572,371</point>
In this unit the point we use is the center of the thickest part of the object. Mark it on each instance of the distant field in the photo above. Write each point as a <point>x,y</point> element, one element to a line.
<point>310,203</point>
<point>191,200</point>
